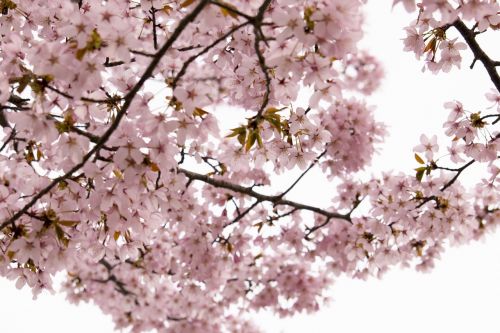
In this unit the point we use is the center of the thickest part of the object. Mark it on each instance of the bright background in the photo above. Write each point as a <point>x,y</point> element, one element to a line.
<point>462,294</point>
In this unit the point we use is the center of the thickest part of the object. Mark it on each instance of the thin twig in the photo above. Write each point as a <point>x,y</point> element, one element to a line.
<point>303,173</point>
<point>155,35</point>
<point>243,214</point>
<point>459,171</point>
<point>259,37</point>
<point>311,230</point>
<point>188,62</point>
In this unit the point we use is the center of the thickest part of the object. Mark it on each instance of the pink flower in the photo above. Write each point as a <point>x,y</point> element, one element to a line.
<point>494,96</point>
<point>414,41</point>
<point>456,110</point>
<point>299,121</point>
<point>26,249</point>
<point>455,150</point>
<point>450,54</point>
<point>490,19</point>
<point>427,146</point>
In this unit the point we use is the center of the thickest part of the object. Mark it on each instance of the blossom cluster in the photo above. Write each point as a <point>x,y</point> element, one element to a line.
<point>109,117</point>
<point>427,35</point>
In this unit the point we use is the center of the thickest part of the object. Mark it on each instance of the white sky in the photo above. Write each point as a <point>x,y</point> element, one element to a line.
<point>462,294</point>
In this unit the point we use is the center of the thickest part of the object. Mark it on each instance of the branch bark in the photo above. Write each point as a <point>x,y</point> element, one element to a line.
<point>479,54</point>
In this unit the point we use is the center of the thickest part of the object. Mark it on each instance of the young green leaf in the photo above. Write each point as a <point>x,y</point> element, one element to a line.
<point>252,137</point>
<point>420,175</point>
<point>419,159</point>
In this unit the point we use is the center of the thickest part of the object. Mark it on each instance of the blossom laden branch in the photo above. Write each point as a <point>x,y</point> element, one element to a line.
<point>123,110</point>
<point>311,230</point>
<point>120,286</point>
<point>457,174</point>
<point>479,54</point>
<point>154,226</point>
<point>186,64</point>
<point>304,173</point>
<point>241,215</point>
<point>276,200</point>
<point>258,38</point>
<point>153,11</point>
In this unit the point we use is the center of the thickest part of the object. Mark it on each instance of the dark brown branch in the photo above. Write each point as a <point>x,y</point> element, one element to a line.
<point>128,101</point>
<point>455,177</point>
<point>18,101</point>
<point>214,168</point>
<point>13,108</point>
<point>92,137</point>
<point>186,64</point>
<point>157,181</point>
<point>12,135</point>
<point>449,183</point>
<point>20,104</point>
<point>143,53</point>
<point>3,119</point>
<point>119,285</point>
<point>85,99</point>
<point>458,172</point>
<point>108,63</point>
<point>279,216</point>
<point>155,34</point>
<point>236,206</point>
<point>243,214</point>
<point>189,48</point>
<point>311,230</point>
<point>497,116</point>
<point>259,37</point>
<point>276,200</point>
<point>176,318</point>
<point>303,173</point>
<point>478,52</point>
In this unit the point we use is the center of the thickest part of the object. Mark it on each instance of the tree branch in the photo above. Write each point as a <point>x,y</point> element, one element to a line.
<point>276,200</point>
<point>311,230</point>
<point>458,172</point>
<point>186,64</point>
<point>119,285</point>
<point>155,34</point>
<point>85,99</point>
<point>243,214</point>
<point>303,173</point>
<point>12,135</point>
<point>259,37</point>
<point>478,52</point>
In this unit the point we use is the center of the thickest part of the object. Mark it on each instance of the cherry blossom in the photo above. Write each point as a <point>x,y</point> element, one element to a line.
<point>117,165</point>
<point>428,146</point>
